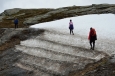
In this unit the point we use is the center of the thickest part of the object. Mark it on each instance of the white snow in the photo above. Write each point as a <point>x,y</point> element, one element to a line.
<point>104,25</point>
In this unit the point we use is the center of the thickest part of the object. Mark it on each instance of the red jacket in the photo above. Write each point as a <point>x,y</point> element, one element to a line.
<point>92,33</point>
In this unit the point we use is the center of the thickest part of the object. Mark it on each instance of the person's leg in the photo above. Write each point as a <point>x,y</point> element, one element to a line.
<point>15,25</point>
<point>70,31</point>
<point>93,44</point>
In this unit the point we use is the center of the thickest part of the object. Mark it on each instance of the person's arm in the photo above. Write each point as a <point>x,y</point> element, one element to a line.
<point>69,26</point>
<point>89,35</point>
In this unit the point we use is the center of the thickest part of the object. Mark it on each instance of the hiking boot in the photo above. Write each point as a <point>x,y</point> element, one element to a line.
<point>91,48</point>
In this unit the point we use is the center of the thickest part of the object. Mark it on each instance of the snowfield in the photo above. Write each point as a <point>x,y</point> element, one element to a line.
<point>104,25</point>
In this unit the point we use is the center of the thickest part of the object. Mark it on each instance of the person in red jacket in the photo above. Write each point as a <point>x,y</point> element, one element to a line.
<point>92,37</point>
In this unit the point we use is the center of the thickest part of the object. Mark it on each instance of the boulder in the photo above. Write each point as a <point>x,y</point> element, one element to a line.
<point>20,14</point>
<point>10,18</point>
<point>35,19</point>
<point>71,12</point>
<point>9,12</point>
<point>1,17</point>
<point>13,17</point>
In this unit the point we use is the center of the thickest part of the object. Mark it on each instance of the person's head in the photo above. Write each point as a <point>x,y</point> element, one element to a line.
<point>15,17</point>
<point>91,28</point>
<point>70,20</point>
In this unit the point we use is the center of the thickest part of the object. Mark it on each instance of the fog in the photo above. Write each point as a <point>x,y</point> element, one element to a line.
<point>9,4</point>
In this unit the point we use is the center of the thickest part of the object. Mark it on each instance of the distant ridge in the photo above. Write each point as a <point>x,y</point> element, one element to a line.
<point>29,17</point>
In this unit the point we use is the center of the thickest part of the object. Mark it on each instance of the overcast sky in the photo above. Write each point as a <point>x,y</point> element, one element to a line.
<point>8,4</point>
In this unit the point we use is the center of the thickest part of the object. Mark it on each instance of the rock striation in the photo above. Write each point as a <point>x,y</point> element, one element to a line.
<point>71,12</point>
<point>9,12</point>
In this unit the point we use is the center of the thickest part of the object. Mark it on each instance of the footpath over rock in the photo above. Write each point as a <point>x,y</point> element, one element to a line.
<point>52,56</point>
<point>48,53</point>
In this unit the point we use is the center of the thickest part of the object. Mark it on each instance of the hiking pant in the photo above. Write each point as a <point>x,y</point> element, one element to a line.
<point>16,25</point>
<point>71,31</point>
<point>92,42</point>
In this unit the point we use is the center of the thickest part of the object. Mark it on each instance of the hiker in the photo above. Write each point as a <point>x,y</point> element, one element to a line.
<point>71,27</point>
<point>16,23</point>
<point>92,37</point>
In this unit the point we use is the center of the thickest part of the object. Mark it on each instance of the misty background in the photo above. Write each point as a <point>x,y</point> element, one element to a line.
<point>9,4</point>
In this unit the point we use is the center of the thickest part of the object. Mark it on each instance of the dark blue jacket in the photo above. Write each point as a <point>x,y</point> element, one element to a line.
<point>16,21</point>
<point>71,27</point>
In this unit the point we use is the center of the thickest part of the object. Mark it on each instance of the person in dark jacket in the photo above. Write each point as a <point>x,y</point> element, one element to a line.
<point>92,37</point>
<point>71,27</point>
<point>16,23</point>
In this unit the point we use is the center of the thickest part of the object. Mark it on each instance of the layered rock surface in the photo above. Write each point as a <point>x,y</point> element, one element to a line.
<point>51,56</point>
<point>51,53</point>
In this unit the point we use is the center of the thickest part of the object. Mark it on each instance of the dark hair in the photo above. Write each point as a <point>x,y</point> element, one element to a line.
<point>70,20</point>
<point>90,28</point>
